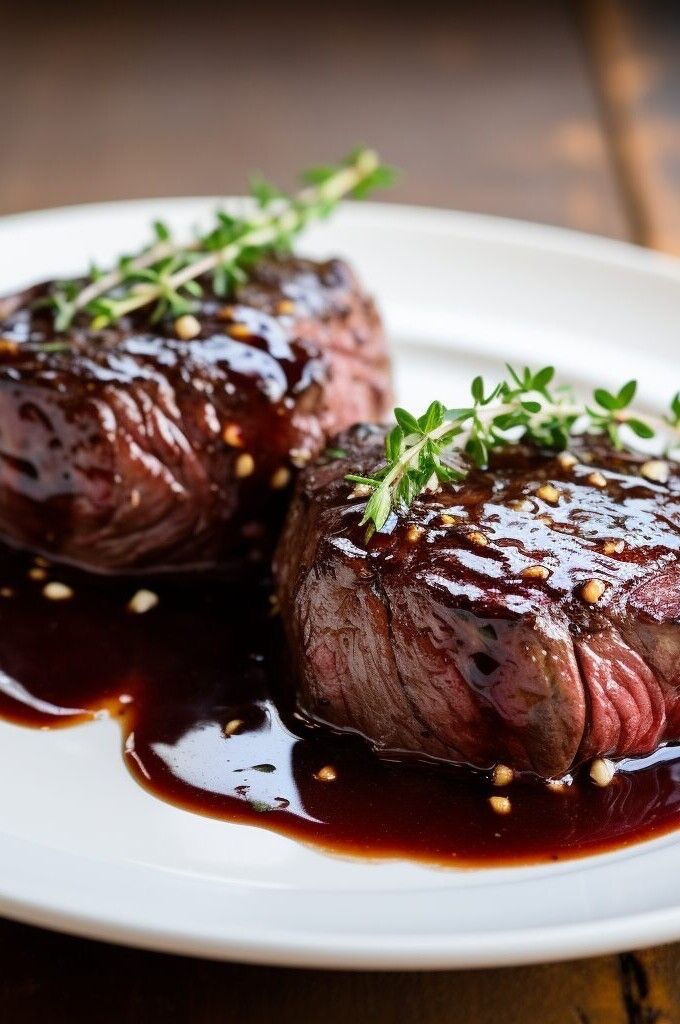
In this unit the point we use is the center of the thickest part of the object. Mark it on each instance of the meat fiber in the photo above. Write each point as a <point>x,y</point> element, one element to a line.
<point>498,620</point>
<point>130,449</point>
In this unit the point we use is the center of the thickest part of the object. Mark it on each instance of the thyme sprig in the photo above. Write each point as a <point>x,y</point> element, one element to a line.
<point>524,406</point>
<point>166,274</point>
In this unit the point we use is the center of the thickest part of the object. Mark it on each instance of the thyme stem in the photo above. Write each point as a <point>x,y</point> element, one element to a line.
<point>482,416</point>
<point>107,282</point>
<point>265,230</point>
<point>521,407</point>
<point>166,273</point>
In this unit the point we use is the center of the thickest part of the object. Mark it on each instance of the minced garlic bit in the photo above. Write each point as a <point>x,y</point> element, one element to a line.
<point>521,505</point>
<point>602,771</point>
<point>502,775</point>
<point>187,327</point>
<point>6,592</point>
<point>143,601</point>
<point>613,547</point>
<point>234,726</point>
<point>500,804</point>
<point>535,572</point>
<point>280,478</point>
<point>239,331</point>
<point>300,457</point>
<point>135,497</point>
<point>549,493</point>
<point>232,435</point>
<point>361,491</point>
<point>567,460</point>
<point>37,573</point>
<point>414,533</point>
<point>42,562</point>
<point>596,479</point>
<point>274,605</point>
<point>593,590</point>
<point>475,537</point>
<point>245,465</point>
<point>656,470</point>
<point>285,307</point>
<point>447,520</point>
<point>57,591</point>
<point>326,774</point>
<point>557,785</point>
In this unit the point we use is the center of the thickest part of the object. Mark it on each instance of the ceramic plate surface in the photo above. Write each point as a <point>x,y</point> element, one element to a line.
<point>84,849</point>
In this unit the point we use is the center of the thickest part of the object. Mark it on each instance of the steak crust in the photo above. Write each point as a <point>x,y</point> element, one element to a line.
<point>134,450</point>
<point>432,639</point>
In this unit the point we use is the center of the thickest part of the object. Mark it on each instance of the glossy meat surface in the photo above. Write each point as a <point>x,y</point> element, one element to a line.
<point>461,631</point>
<point>134,450</point>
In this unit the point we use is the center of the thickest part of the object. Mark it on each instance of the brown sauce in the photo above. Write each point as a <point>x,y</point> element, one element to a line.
<point>209,654</point>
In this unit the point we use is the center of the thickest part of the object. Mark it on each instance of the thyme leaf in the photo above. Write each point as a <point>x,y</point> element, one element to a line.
<point>523,406</point>
<point>165,274</point>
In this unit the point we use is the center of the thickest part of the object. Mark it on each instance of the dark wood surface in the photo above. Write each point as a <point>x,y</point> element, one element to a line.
<point>566,113</point>
<point>51,978</point>
<point>481,110</point>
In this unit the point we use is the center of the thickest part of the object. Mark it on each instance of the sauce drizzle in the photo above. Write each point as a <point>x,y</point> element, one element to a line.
<point>210,656</point>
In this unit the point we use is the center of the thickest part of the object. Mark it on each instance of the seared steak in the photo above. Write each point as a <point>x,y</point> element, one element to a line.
<point>498,620</point>
<point>130,449</point>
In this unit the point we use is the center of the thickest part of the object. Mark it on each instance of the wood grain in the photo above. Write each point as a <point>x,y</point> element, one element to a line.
<point>484,108</point>
<point>634,50</point>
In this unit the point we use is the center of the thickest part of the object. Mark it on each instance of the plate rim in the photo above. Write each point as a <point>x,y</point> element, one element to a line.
<point>550,237</point>
<point>365,951</point>
<point>373,950</point>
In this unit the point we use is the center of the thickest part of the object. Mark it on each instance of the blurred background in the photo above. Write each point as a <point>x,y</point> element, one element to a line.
<point>562,112</point>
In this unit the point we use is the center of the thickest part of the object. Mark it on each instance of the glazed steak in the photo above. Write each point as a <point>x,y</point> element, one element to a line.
<point>529,615</point>
<point>135,450</point>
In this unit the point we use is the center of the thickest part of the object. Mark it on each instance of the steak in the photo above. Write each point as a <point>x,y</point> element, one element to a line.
<point>529,615</point>
<point>130,449</point>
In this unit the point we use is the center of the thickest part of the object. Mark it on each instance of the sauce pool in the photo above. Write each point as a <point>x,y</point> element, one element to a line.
<point>199,687</point>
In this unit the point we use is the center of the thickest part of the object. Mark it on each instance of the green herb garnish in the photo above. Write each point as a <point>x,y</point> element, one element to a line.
<point>260,806</point>
<point>522,407</point>
<point>165,274</point>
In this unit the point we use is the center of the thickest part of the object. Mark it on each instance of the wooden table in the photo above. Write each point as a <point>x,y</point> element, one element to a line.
<point>557,112</point>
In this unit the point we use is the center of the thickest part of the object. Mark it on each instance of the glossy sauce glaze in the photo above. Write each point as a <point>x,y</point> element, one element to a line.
<point>466,630</point>
<point>208,660</point>
<point>142,446</point>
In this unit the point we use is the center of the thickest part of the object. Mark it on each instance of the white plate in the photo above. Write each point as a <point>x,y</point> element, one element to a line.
<point>84,849</point>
